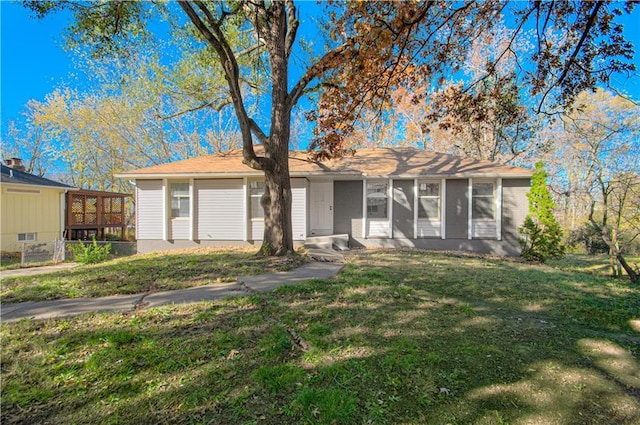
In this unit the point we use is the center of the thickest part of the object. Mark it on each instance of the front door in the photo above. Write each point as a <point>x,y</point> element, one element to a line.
<point>321,204</point>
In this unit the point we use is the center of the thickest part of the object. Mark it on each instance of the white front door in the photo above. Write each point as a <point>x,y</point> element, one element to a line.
<point>321,204</point>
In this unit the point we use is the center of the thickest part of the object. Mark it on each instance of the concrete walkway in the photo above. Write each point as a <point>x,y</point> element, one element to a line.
<point>122,303</point>
<point>32,271</point>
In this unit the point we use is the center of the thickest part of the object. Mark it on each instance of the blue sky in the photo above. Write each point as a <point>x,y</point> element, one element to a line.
<point>33,62</point>
<point>32,59</point>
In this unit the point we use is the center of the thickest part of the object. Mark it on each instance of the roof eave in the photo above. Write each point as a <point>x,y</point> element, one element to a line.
<point>43,186</point>
<point>147,176</point>
<point>352,174</point>
<point>459,176</point>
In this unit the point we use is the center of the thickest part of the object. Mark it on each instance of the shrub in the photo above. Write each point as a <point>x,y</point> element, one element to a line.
<point>91,253</point>
<point>541,234</point>
<point>589,239</point>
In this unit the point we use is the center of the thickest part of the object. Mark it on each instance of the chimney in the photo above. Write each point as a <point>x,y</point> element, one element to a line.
<point>15,163</point>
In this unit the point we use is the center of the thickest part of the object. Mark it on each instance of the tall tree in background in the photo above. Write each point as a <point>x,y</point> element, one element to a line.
<point>596,163</point>
<point>489,122</point>
<point>373,47</point>
<point>131,116</point>
<point>563,44</point>
<point>491,118</point>
<point>28,142</point>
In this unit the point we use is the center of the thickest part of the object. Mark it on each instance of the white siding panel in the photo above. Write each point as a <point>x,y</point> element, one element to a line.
<point>257,230</point>
<point>219,209</point>
<point>484,229</point>
<point>429,229</point>
<point>298,209</point>
<point>378,228</point>
<point>150,197</point>
<point>180,229</point>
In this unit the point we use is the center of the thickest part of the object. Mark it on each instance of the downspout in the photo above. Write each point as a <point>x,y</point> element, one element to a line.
<point>63,213</point>
<point>135,209</point>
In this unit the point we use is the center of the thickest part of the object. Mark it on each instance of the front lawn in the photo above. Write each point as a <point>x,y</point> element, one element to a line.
<point>398,337</point>
<point>145,273</point>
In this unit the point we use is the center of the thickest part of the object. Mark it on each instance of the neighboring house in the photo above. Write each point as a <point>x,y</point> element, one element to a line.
<point>399,197</point>
<point>32,207</point>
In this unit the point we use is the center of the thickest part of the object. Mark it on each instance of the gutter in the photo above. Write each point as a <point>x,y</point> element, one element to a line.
<point>39,186</point>
<point>351,174</point>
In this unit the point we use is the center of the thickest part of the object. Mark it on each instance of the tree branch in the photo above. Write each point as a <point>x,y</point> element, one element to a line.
<point>214,36</point>
<point>211,104</point>
<point>292,27</point>
<point>258,132</point>
<point>316,70</point>
<point>585,33</point>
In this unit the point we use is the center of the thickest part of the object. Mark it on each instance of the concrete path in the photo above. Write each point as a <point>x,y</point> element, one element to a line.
<point>32,271</point>
<point>123,303</point>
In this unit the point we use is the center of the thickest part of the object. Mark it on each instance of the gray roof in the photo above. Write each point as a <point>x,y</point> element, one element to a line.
<point>11,175</point>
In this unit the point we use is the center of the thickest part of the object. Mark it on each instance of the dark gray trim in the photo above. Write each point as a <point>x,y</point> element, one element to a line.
<point>480,246</point>
<point>10,175</point>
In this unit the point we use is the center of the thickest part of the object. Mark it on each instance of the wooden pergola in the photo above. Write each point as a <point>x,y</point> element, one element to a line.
<point>93,213</point>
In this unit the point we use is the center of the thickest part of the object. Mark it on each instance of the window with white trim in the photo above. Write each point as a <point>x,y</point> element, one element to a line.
<point>179,200</point>
<point>377,200</point>
<point>429,200</point>
<point>26,237</point>
<point>256,190</point>
<point>483,201</point>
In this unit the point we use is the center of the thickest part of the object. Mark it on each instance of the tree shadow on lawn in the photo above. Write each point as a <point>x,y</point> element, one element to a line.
<point>144,273</point>
<point>377,344</point>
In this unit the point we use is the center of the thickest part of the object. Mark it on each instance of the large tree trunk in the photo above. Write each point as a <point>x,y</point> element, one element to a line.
<point>633,275</point>
<point>616,252</point>
<point>276,202</point>
<point>611,241</point>
<point>276,24</point>
<point>278,234</point>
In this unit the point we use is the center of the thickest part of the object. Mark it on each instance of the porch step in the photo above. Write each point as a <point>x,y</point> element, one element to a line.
<point>337,242</point>
<point>325,255</point>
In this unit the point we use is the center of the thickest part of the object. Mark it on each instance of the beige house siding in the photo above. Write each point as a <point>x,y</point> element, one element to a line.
<point>28,209</point>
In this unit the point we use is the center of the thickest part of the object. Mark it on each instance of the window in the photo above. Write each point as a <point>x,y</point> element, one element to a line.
<point>377,200</point>
<point>26,237</point>
<point>483,201</point>
<point>179,200</point>
<point>256,190</point>
<point>429,200</point>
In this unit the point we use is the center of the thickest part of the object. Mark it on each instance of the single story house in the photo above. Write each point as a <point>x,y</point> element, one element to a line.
<point>396,197</point>
<point>32,207</point>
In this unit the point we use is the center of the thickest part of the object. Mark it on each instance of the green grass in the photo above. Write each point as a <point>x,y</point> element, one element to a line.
<point>145,273</point>
<point>594,264</point>
<point>9,262</point>
<point>398,337</point>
